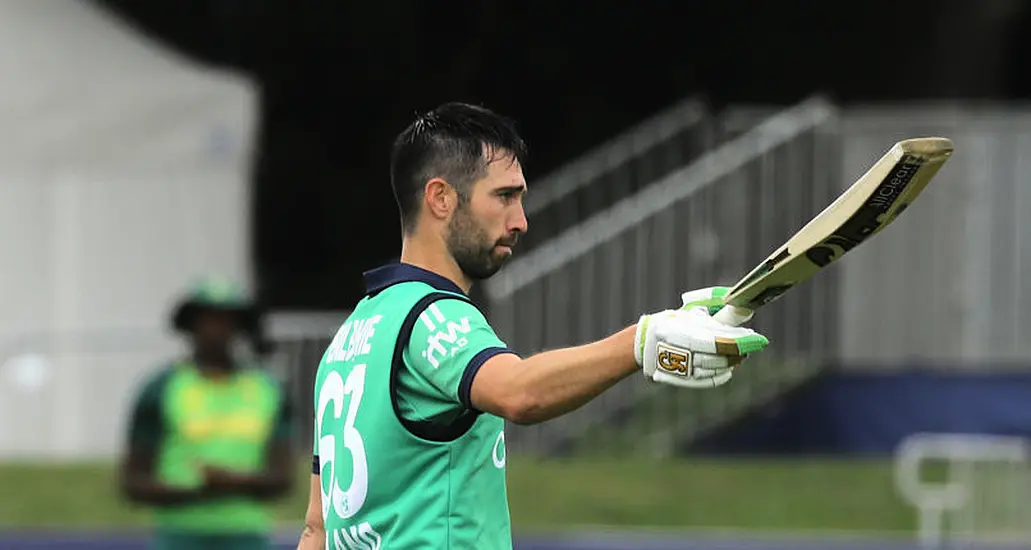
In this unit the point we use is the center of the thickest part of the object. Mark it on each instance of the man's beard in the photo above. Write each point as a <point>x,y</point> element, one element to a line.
<point>473,249</point>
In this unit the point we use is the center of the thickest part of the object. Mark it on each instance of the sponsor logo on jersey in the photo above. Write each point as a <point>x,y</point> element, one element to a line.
<point>449,337</point>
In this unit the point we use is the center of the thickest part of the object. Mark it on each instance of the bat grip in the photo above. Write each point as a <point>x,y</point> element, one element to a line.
<point>733,315</point>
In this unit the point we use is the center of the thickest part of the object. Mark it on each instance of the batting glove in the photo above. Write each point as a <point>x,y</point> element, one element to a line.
<point>712,299</point>
<point>688,348</point>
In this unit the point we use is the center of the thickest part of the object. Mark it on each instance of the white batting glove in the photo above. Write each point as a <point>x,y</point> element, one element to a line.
<point>688,348</point>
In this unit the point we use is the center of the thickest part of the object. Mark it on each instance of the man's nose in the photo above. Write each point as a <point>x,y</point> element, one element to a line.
<point>519,222</point>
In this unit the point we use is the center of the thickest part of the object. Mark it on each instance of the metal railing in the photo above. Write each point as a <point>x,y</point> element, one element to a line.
<point>68,395</point>
<point>967,488</point>
<point>960,256</point>
<point>618,168</point>
<point>704,224</point>
<point>301,340</point>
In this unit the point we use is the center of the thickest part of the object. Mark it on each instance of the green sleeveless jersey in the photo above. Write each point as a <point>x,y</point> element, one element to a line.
<point>405,461</point>
<point>190,420</point>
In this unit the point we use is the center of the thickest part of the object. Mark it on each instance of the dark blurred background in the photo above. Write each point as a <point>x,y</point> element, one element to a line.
<point>340,79</point>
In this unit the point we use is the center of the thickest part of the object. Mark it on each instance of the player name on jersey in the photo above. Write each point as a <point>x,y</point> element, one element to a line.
<point>359,537</point>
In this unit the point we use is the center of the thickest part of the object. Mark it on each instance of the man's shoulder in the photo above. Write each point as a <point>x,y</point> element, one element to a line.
<point>445,309</point>
<point>412,310</point>
<point>152,387</point>
<point>449,329</point>
<point>159,379</point>
<point>260,373</point>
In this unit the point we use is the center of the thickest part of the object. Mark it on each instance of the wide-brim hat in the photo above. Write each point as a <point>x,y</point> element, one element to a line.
<point>215,294</point>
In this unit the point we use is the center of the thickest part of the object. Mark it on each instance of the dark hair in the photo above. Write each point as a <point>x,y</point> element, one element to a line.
<point>448,142</point>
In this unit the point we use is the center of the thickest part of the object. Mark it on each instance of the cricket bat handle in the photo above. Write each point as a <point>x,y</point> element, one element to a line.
<point>733,315</point>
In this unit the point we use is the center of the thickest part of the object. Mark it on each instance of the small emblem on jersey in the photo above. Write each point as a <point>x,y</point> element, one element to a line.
<point>674,360</point>
<point>498,452</point>
<point>448,339</point>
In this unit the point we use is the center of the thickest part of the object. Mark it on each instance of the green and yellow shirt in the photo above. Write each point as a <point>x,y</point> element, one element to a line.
<point>192,421</point>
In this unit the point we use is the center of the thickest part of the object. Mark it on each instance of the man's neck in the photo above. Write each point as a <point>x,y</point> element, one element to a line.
<point>432,257</point>
<point>215,364</point>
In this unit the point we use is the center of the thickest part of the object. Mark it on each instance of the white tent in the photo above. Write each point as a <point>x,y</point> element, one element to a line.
<point>124,174</point>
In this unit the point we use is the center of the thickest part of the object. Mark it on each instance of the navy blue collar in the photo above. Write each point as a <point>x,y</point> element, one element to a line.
<point>392,274</point>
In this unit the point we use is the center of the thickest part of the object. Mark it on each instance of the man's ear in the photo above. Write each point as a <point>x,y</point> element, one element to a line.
<point>441,198</point>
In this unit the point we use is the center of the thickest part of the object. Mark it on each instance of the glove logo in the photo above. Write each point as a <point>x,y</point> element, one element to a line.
<point>674,360</point>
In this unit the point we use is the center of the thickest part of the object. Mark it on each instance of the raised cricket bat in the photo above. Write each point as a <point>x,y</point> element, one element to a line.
<point>864,209</point>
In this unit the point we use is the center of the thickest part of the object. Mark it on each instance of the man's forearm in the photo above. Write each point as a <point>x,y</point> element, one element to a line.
<point>559,381</point>
<point>266,485</point>
<point>157,494</point>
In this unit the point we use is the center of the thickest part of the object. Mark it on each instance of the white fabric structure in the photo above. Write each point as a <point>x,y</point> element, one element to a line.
<point>124,174</point>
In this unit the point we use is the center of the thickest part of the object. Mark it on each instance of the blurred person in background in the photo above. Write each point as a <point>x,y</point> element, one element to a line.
<point>209,439</point>
<point>413,393</point>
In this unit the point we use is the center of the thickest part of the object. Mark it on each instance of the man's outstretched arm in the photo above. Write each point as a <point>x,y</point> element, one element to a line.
<point>314,535</point>
<point>685,348</point>
<point>139,484</point>
<point>552,383</point>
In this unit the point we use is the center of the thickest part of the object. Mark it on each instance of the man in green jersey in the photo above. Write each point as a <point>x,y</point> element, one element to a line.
<point>412,394</point>
<point>209,438</point>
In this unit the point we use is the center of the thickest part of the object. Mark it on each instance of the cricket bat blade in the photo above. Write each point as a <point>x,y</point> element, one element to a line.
<point>869,205</point>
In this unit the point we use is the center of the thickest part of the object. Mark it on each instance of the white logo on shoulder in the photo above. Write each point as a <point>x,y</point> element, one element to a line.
<point>451,335</point>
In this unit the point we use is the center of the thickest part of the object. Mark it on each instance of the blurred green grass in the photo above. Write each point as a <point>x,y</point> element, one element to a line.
<point>552,495</point>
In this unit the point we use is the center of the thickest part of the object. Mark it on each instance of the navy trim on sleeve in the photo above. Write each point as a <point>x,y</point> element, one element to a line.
<point>466,385</point>
<point>315,465</point>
